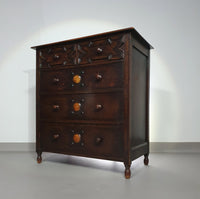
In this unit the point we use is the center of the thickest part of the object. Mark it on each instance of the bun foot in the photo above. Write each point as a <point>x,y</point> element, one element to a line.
<point>127,173</point>
<point>146,159</point>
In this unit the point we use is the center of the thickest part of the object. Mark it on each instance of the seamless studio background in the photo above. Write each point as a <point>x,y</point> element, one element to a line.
<point>171,26</point>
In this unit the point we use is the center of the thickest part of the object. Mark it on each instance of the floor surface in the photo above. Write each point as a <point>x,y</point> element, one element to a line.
<point>68,177</point>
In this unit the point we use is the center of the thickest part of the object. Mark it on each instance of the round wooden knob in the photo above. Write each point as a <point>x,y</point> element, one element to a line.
<point>56,136</point>
<point>99,107</point>
<point>99,50</point>
<point>77,79</point>
<point>56,80</point>
<point>76,106</point>
<point>56,56</point>
<point>98,140</point>
<point>56,107</point>
<point>77,138</point>
<point>98,77</point>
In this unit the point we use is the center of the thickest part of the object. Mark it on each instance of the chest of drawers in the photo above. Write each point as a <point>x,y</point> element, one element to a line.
<point>92,97</point>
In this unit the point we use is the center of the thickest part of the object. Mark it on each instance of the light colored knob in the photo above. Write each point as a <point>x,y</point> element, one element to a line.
<point>77,138</point>
<point>77,79</point>
<point>76,106</point>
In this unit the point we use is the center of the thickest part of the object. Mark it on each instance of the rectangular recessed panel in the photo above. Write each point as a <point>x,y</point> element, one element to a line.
<point>138,96</point>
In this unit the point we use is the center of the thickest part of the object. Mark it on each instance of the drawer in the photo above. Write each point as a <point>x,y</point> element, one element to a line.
<point>92,77</point>
<point>57,55</point>
<point>89,140</point>
<point>82,107</point>
<point>101,49</point>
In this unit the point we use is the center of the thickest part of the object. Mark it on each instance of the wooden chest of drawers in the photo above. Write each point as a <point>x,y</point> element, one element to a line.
<point>92,97</point>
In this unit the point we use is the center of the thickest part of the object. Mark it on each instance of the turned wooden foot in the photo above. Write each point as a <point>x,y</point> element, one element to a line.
<point>146,159</point>
<point>39,157</point>
<point>127,172</point>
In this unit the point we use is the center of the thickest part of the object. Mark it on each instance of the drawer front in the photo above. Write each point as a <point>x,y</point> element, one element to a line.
<point>82,107</point>
<point>93,77</point>
<point>86,140</point>
<point>101,49</point>
<point>60,55</point>
<point>83,52</point>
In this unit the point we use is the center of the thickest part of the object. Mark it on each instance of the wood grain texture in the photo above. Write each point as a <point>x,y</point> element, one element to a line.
<point>60,108</point>
<point>62,79</point>
<point>110,144</point>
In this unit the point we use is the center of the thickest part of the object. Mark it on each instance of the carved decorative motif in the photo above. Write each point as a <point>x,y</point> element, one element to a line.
<point>101,49</point>
<point>61,55</point>
<point>108,48</point>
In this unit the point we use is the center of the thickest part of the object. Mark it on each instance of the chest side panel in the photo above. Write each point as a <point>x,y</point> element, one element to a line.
<point>139,99</point>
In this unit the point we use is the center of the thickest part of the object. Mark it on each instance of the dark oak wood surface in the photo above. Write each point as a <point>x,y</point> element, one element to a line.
<point>92,97</point>
<point>96,141</point>
<point>131,30</point>
<point>91,77</point>
<point>55,108</point>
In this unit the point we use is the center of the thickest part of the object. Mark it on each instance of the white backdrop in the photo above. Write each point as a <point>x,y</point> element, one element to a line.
<point>171,26</point>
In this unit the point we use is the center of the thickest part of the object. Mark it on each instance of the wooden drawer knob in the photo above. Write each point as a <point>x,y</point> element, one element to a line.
<point>56,136</point>
<point>56,56</point>
<point>56,107</point>
<point>99,50</point>
<point>98,140</point>
<point>99,107</point>
<point>77,138</point>
<point>76,106</point>
<point>77,79</point>
<point>99,77</point>
<point>56,80</point>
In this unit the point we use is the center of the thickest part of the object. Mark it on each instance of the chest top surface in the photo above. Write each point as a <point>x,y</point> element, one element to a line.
<point>125,30</point>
